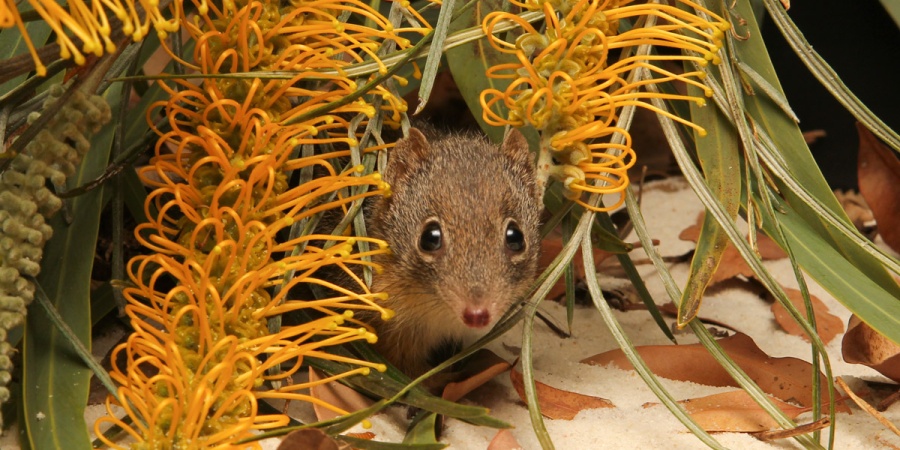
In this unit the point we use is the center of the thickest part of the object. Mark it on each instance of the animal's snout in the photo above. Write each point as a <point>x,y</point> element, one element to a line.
<point>475,317</point>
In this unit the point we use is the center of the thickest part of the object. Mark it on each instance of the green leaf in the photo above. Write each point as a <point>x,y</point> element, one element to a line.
<point>469,64</point>
<point>618,332</point>
<point>568,224</point>
<point>421,430</point>
<point>20,413</point>
<point>838,275</point>
<point>893,8</point>
<point>435,52</point>
<point>826,75</point>
<point>12,43</point>
<point>714,207</point>
<point>605,222</point>
<point>54,380</point>
<point>102,302</point>
<point>530,387</point>
<point>384,386</point>
<point>135,195</point>
<point>720,158</point>
<point>366,444</point>
<point>798,175</point>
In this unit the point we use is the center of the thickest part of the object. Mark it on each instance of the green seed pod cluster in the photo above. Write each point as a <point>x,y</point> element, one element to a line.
<point>26,202</point>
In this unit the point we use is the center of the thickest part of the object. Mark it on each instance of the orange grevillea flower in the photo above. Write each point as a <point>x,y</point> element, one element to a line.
<point>222,209</point>
<point>565,85</point>
<point>84,27</point>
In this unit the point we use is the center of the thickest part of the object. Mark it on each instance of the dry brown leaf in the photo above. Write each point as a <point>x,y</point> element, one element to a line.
<point>878,170</point>
<point>367,435</point>
<point>310,439</point>
<point>813,135</point>
<point>863,345</point>
<point>799,430</point>
<point>867,407</point>
<point>557,403</point>
<point>732,263</point>
<point>550,248</point>
<point>855,206</point>
<point>884,442</point>
<point>336,394</point>
<point>828,325</point>
<point>482,367</point>
<point>734,411</point>
<point>504,440</point>
<point>788,379</point>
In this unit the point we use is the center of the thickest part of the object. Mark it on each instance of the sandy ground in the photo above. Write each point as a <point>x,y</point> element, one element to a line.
<point>669,208</point>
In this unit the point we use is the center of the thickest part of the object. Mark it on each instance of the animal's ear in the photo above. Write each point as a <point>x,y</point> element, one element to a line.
<point>516,147</point>
<point>408,155</point>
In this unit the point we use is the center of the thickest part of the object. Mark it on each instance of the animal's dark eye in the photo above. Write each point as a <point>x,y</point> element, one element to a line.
<point>515,240</point>
<point>430,240</point>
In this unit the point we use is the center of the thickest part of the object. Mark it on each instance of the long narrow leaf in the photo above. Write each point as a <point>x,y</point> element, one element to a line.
<point>640,366</point>
<point>12,43</point>
<point>56,382</point>
<point>819,218</point>
<point>828,77</point>
<point>719,156</point>
<point>435,52</point>
<point>534,408</point>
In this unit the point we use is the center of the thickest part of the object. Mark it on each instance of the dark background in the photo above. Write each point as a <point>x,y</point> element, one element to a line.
<point>861,42</point>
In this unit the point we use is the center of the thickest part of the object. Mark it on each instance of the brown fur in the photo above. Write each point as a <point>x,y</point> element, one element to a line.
<point>472,188</point>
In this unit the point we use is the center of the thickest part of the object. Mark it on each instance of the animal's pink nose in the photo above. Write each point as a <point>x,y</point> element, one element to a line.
<point>476,317</point>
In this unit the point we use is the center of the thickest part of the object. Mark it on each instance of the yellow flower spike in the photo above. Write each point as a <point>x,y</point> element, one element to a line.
<point>565,86</point>
<point>223,196</point>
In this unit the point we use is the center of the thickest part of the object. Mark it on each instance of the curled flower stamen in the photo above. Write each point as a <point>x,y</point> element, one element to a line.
<point>565,87</point>
<point>88,23</point>
<point>224,203</point>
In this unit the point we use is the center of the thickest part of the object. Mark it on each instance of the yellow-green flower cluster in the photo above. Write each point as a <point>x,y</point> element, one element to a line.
<point>88,23</point>
<point>565,85</point>
<point>222,205</point>
<point>25,203</point>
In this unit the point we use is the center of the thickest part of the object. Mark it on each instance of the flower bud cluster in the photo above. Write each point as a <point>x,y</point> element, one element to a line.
<point>26,202</point>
